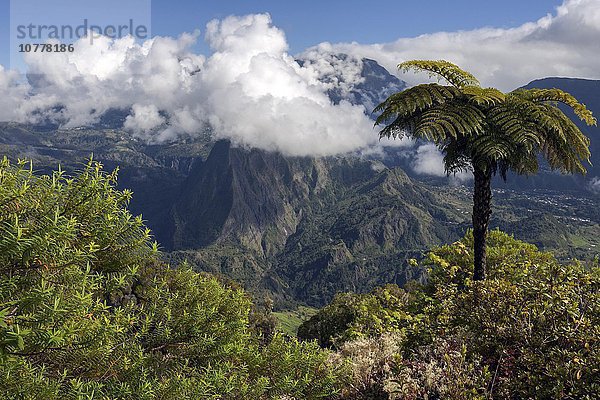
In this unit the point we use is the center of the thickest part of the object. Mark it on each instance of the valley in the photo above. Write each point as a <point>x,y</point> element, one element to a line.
<point>298,230</point>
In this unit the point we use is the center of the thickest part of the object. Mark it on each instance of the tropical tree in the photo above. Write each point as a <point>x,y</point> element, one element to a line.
<point>486,131</point>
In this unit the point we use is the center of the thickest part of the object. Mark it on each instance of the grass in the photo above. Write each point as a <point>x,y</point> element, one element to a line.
<point>288,321</point>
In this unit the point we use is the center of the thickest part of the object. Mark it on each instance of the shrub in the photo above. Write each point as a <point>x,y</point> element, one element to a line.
<point>351,316</point>
<point>374,362</point>
<point>87,310</point>
<point>535,321</point>
<point>531,330</point>
<point>440,370</point>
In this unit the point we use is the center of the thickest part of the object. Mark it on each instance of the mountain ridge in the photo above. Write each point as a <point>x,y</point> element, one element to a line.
<point>300,229</point>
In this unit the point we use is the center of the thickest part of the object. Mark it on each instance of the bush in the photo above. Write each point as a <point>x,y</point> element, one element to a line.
<point>87,310</point>
<point>440,370</point>
<point>535,321</point>
<point>352,316</point>
<point>531,330</point>
<point>65,245</point>
<point>374,362</point>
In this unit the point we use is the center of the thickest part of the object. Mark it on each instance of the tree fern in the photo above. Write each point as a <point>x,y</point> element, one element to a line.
<point>487,131</point>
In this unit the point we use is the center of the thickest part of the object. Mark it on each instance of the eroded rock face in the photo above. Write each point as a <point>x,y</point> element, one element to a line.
<point>305,228</point>
<point>256,198</point>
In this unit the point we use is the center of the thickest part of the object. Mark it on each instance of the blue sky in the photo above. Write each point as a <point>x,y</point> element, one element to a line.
<point>309,22</point>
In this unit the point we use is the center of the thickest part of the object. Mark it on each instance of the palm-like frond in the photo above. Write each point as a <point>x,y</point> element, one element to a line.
<point>485,127</point>
<point>438,123</point>
<point>441,69</point>
<point>558,96</point>
<point>448,122</point>
<point>531,120</point>
<point>483,96</point>
<point>510,118</point>
<point>414,99</point>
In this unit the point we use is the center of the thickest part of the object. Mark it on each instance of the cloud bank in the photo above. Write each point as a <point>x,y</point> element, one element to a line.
<point>253,92</point>
<point>250,90</point>
<point>562,44</point>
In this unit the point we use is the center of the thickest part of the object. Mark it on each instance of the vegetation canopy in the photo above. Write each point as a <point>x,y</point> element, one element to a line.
<point>87,310</point>
<point>529,331</point>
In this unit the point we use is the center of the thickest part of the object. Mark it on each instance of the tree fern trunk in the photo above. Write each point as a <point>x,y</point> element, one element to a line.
<point>482,210</point>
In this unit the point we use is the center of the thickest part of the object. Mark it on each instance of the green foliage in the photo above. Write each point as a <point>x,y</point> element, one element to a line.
<point>351,316</point>
<point>535,321</point>
<point>531,330</point>
<point>441,69</point>
<point>485,128</point>
<point>300,371</point>
<point>87,311</point>
<point>65,245</point>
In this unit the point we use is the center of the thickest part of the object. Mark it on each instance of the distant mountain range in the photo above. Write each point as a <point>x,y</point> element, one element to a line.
<point>301,229</point>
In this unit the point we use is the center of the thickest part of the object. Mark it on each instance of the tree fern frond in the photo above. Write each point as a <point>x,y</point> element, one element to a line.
<point>414,99</point>
<point>492,147</point>
<point>560,156</point>
<point>438,124</point>
<point>507,118</point>
<point>441,69</point>
<point>483,96</point>
<point>397,129</point>
<point>573,137</point>
<point>451,120</point>
<point>560,96</point>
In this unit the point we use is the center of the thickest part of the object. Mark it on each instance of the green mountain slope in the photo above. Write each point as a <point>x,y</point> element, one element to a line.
<point>300,229</point>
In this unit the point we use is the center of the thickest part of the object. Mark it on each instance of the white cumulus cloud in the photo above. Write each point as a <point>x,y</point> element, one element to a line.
<point>143,118</point>
<point>250,90</point>
<point>428,160</point>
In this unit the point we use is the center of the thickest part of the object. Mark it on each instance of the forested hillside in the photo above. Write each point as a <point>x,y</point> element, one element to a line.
<point>300,229</point>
